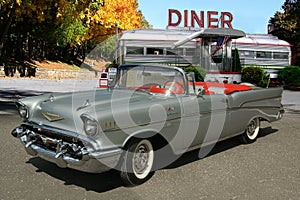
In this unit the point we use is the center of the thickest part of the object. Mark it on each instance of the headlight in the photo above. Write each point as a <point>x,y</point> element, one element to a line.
<point>23,112</point>
<point>90,125</point>
<point>22,109</point>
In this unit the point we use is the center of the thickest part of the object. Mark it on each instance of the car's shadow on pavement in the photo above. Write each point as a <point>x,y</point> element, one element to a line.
<point>110,180</point>
<point>101,182</point>
<point>219,147</point>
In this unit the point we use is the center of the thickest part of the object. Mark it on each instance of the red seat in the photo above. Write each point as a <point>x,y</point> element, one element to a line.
<point>156,89</point>
<point>228,88</point>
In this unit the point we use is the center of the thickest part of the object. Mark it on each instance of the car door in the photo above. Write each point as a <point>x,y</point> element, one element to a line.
<point>211,120</point>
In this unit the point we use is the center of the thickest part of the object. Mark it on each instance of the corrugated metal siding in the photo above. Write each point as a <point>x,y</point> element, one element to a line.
<point>261,47</point>
<point>264,62</point>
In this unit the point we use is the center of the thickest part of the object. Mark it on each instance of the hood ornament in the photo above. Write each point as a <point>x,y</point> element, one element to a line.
<point>51,117</point>
<point>50,98</point>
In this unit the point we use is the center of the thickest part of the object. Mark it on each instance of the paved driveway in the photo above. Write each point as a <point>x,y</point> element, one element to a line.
<point>266,169</point>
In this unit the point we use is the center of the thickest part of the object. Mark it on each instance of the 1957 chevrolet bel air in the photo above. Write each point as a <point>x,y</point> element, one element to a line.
<point>150,112</point>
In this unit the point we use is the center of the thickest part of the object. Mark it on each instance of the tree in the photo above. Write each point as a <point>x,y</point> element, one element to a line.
<point>286,25</point>
<point>102,23</point>
<point>61,29</point>
<point>236,62</point>
<point>7,9</point>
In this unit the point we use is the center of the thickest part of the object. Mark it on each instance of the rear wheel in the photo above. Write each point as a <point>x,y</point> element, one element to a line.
<point>251,132</point>
<point>137,165</point>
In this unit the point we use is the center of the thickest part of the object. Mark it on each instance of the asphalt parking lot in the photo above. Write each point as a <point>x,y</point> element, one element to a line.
<point>266,169</point>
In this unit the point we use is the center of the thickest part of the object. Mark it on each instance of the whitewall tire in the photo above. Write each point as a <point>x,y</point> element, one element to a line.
<point>137,165</point>
<point>251,132</point>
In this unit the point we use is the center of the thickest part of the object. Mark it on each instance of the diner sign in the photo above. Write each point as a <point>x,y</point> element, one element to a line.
<point>214,19</point>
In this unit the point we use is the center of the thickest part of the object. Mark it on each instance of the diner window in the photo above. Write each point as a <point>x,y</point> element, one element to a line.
<point>174,51</point>
<point>246,54</point>
<point>280,55</point>
<point>155,51</point>
<point>263,54</point>
<point>135,50</point>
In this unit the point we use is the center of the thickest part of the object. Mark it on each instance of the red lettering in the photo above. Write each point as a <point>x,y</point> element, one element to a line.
<point>194,18</point>
<point>171,12</point>
<point>186,17</point>
<point>214,19</point>
<point>211,20</point>
<point>226,21</point>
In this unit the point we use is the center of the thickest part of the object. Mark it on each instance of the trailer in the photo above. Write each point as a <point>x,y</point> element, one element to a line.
<point>209,48</point>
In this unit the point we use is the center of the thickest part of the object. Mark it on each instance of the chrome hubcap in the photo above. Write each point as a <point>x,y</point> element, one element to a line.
<point>141,159</point>
<point>251,128</point>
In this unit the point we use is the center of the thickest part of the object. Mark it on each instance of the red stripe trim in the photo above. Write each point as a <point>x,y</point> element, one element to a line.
<point>263,44</point>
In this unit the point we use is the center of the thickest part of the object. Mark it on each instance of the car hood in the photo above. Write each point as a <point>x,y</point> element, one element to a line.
<point>63,110</point>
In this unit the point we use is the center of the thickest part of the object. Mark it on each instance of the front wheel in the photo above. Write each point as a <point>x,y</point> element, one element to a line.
<point>251,131</point>
<point>137,165</point>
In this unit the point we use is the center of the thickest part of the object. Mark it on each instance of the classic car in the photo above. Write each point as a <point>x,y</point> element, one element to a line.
<point>150,113</point>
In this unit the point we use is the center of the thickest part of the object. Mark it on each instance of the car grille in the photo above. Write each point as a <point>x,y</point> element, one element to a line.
<point>54,134</point>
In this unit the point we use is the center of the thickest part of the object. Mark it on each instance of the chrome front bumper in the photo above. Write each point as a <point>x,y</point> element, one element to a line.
<point>72,153</point>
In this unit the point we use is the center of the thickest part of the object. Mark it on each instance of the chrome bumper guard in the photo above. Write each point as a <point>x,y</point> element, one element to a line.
<point>65,154</point>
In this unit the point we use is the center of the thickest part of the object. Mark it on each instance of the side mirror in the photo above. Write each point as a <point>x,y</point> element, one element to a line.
<point>201,92</point>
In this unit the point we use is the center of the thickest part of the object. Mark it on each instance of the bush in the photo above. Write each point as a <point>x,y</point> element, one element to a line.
<point>199,72</point>
<point>254,75</point>
<point>289,75</point>
<point>265,81</point>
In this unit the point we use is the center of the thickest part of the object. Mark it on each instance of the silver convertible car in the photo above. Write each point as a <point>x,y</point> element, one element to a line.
<point>150,116</point>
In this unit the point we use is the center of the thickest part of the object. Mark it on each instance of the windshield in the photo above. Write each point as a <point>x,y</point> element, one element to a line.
<point>152,79</point>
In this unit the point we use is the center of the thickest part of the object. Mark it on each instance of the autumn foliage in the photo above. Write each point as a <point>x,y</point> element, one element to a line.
<point>102,22</point>
<point>61,29</point>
